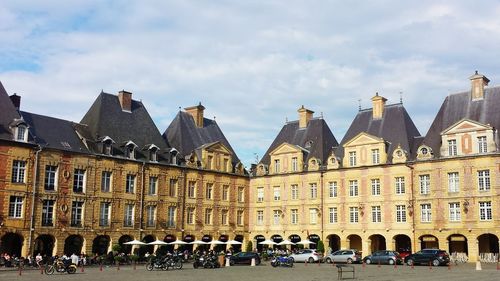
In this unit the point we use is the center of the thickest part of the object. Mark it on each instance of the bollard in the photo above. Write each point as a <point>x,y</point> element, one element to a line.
<point>363,265</point>
<point>305,263</point>
<point>20,271</point>
<point>395,264</point>
<point>449,266</point>
<point>498,266</point>
<point>412,265</point>
<point>41,270</point>
<point>227,262</point>
<point>430,265</point>
<point>100,267</point>
<point>118,267</point>
<point>83,270</point>
<point>253,262</point>
<point>478,265</point>
<point>378,264</point>
<point>319,262</point>
<point>135,264</point>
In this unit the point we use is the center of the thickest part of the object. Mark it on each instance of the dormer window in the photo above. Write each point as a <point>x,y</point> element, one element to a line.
<point>19,130</point>
<point>21,134</point>
<point>452,147</point>
<point>153,155</point>
<point>173,156</point>
<point>107,145</point>
<point>130,150</point>
<point>308,144</point>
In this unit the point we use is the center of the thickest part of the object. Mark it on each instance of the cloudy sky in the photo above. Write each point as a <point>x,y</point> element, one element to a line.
<point>251,63</point>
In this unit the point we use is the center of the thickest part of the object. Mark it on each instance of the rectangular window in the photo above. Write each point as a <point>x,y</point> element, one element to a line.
<point>106,181</point>
<point>192,189</point>
<point>353,188</point>
<point>453,182</point>
<point>484,180</point>
<point>313,216</point>
<point>295,165</point>
<point>352,158</point>
<point>241,194</point>
<point>128,219</point>
<point>452,147</point>
<point>376,214</point>
<point>153,185</point>
<point>105,214</point>
<point>76,213</point>
<point>333,190</point>
<point>276,217</point>
<point>260,194</point>
<point>485,213</point>
<point>190,215</point>
<point>455,211</point>
<point>208,216</point>
<point>332,215</point>
<point>277,168</point>
<point>16,207</point>
<point>209,162</point>
<point>171,216</point>
<point>277,193</point>
<point>260,217</point>
<point>226,164</point>
<point>130,183</point>
<point>209,191</point>
<point>172,189</point>
<point>150,215</point>
<point>294,192</point>
<point>239,217</point>
<point>400,213</point>
<point>353,214</point>
<point>18,171</point>
<point>426,215</point>
<point>425,184</point>
<point>79,181</point>
<point>50,177</point>
<point>48,213</point>
<point>224,217</point>
<point>294,213</point>
<point>225,192</point>
<point>375,186</point>
<point>400,185</point>
<point>482,145</point>
<point>21,133</point>
<point>375,156</point>
<point>314,190</point>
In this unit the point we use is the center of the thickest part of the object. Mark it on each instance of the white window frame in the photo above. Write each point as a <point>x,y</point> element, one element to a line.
<point>401,213</point>
<point>16,207</point>
<point>376,214</point>
<point>426,212</point>
<point>314,190</point>
<point>277,167</point>
<point>190,215</point>
<point>79,180</point>
<point>400,185</point>
<point>485,211</point>
<point>224,217</point>
<point>452,147</point>
<point>294,191</point>
<point>128,220</point>
<point>105,214</point>
<point>48,212</point>
<point>294,216</point>
<point>353,214</point>
<point>277,193</point>
<point>276,217</point>
<point>239,217</point>
<point>313,216</point>
<point>77,213</point>
<point>352,158</point>
<point>209,191</point>
<point>425,184</point>
<point>484,181</point>
<point>295,164</point>
<point>260,217</point>
<point>106,181</point>
<point>130,183</point>
<point>50,180</point>
<point>18,171</point>
<point>454,211</point>
<point>333,189</point>
<point>153,185</point>
<point>353,188</point>
<point>375,156</point>
<point>208,216</point>
<point>171,215</point>
<point>375,187</point>
<point>260,194</point>
<point>453,182</point>
<point>333,215</point>
<point>225,192</point>
<point>150,215</point>
<point>482,144</point>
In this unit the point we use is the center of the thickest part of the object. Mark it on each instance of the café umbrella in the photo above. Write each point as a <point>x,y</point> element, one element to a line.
<point>233,242</point>
<point>134,242</point>
<point>177,242</point>
<point>158,242</point>
<point>268,242</point>
<point>286,242</point>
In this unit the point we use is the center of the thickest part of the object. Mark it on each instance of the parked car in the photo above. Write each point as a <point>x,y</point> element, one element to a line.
<point>434,256</point>
<point>347,256</point>
<point>384,257</point>
<point>309,255</point>
<point>403,253</point>
<point>244,258</point>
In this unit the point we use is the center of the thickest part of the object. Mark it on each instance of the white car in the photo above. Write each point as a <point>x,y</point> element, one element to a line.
<point>306,255</point>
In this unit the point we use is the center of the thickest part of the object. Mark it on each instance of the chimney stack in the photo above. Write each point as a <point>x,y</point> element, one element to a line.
<point>478,82</point>
<point>125,99</point>
<point>16,101</point>
<point>197,113</point>
<point>378,106</point>
<point>304,116</point>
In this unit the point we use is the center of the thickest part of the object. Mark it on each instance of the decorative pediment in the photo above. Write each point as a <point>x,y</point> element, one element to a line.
<point>261,169</point>
<point>399,155</point>
<point>466,125</point>
<point>333,162</point>
<point>286,148</point>
<point>363,139</point>
<point>217,147</point>
<point>314,164</point>
<point>424,152</point>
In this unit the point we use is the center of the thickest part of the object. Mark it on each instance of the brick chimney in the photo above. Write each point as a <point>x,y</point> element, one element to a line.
<point>304,116</point>
<point>378,106</point>
<point>197,113</point>
<point>16,100</point>
<point>125,100</point>
<point>478,82</point>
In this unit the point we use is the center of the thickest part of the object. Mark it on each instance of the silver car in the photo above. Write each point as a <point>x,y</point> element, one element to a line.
<point>347,256</point>
<point>306,255</point>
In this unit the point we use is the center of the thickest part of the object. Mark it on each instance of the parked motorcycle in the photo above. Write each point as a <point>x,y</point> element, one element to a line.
<point>61,267</point>
<point>281,261</point>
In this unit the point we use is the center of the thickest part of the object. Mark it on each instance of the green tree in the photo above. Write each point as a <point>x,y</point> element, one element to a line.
<point>320,247</point>
<point>249,247</point>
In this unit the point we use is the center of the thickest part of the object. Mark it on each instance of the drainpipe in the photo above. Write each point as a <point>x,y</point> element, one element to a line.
<point>412,200</point>
<point>32,220</point>
<point>141,212</point>
<point>322,209</point>
<point>183,200</point>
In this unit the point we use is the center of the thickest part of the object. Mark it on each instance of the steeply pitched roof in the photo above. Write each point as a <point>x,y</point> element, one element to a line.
<point>106,118</point>
<point>395,127</point>
<point>460,106</point>
<point>7,114</point>
<point>183,135</point>
<point>54,133</point>
<point>317,132</point>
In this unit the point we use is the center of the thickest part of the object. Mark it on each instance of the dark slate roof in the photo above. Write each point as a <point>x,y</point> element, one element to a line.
<point>7,114</point>
<point>316,131</point>
<point>54,133</point>
<point>106,118</point>
<point>183,135</point>
<point>395,127</point>
<point>460,106</point>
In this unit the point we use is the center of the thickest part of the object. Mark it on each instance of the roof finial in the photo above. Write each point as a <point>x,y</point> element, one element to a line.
<point>286,119</point>
<point>401,97</point>
<point>376,94</point>
<point>359,104</point>
<point>476,72</point>
<point>321,115</point>
<point>214,118</point>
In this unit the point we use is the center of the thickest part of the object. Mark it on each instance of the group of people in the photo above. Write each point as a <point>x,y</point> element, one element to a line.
<point>8,260</point>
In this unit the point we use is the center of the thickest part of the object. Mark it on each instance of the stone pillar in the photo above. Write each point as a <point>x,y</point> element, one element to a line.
<point>393,245</point>
<point>473,245</point>
<point>366,247</point>
<point>25,247</point>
